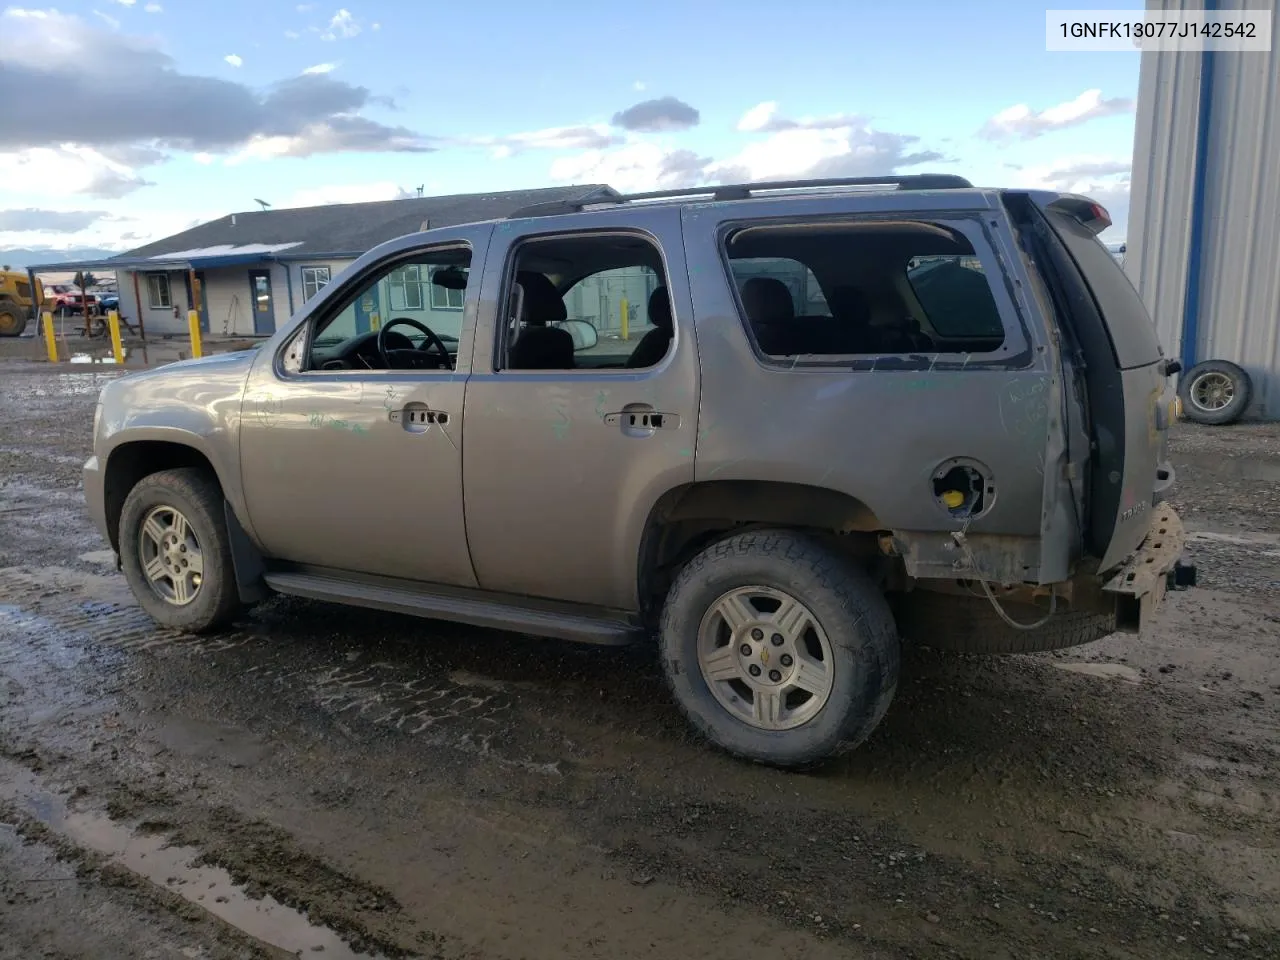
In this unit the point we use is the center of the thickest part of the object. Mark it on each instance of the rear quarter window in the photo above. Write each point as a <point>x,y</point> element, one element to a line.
<point>954,294</point>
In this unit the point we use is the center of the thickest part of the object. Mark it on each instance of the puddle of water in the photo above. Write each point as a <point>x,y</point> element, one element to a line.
<point>170,868</point>
<point>108,360</point>
<point>1110,671</point>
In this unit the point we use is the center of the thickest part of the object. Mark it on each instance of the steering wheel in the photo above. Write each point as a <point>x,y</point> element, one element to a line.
<point>412,358</point>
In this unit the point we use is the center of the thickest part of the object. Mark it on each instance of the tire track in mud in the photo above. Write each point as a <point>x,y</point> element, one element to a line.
<point>468,714</point>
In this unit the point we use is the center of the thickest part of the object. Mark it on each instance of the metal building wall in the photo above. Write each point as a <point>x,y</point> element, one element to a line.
<point>1237,305</point>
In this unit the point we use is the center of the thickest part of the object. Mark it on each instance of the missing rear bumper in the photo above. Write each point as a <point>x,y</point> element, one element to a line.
<point>1140,583</point>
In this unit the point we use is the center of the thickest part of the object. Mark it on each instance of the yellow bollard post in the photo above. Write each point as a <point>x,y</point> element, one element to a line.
<point>626,317</point>
<point>193,324</point>
<point>50,341</point>
<point>113,327</point>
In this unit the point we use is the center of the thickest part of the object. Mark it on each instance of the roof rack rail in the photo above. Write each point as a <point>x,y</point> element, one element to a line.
<point>552,208</point>
<point>743,191</point>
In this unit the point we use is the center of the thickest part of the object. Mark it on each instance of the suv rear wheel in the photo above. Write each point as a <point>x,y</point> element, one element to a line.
<point>175,551</point>
<point>778,649</point>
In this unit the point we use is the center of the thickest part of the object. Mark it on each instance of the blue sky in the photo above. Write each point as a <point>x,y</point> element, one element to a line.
<point>139,118</point>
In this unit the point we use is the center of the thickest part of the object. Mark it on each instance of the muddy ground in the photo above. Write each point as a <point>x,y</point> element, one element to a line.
<point>327,782</point>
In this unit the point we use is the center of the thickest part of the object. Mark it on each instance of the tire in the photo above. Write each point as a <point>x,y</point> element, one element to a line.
<point>844,610</point>
<point>196,496</point>
<point>960,624</point>
<point>13,319</point>
<point>1205,386</point>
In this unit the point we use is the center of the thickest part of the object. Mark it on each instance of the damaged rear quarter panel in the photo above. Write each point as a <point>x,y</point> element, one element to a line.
<point>877,429</point>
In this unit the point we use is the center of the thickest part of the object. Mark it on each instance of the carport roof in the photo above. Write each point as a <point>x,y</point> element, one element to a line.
<point>337,230</point>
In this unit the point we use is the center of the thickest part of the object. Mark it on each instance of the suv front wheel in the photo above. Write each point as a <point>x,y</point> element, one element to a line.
<point>175,551</point>
<point>778,649</point>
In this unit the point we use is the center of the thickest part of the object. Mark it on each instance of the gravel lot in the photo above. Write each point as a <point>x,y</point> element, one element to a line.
<point>329,782</point>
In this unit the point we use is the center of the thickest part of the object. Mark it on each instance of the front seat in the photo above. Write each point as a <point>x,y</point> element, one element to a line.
<point>770,310</point>
<point>539,345</point>
<point>653,345</point>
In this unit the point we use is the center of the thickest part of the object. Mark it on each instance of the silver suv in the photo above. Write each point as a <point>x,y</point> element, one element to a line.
<point>777,427</point>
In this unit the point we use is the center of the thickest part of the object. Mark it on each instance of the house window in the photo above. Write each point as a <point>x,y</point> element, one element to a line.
<point>405,288</point>
<point>158,291</point>
<point>314,279</point>
<point>445,298</point>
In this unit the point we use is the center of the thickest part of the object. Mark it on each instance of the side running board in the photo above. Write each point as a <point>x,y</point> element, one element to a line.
<point>458,605</point>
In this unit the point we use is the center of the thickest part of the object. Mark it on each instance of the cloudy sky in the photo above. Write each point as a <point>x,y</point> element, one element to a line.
<point>123,121</point>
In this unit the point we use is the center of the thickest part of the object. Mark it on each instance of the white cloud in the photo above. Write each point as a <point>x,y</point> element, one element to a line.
<point>376,26</point>
<point>320,68</point>
<point>758,116</point>
<point>585,137</point>
<point>764,118</point>
<point>637,166</point>
<point>342,26</point>
<point>153,8</point>
<point>292,35</point>
<point>347,193</point>
<point>1020,122</point>
<point>234,60</point>
<point>819,149</point>
<point>113,232</point>
<point>337,134</point>
<point>126,3</point>
<point>109,20</point>
<point>1104,179</point>
<point>640,86</point>
<point>57,171</point>
<point>305,7</point>
<point>203,158</point>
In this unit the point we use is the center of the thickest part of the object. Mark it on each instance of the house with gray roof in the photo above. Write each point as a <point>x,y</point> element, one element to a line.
<point>247,273</point>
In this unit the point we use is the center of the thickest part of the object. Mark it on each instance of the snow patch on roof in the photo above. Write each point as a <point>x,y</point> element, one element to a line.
<point>226,249</point>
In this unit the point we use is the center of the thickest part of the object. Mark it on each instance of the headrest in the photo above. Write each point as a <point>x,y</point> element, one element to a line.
<point>767,299</point>
<point>850,304</point>
<point>660,310</point>
<point>542,304</point>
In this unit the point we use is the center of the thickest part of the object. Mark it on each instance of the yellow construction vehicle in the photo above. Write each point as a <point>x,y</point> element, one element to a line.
<point>17,305</point>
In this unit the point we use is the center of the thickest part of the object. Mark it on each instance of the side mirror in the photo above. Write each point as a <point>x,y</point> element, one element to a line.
<point>584,334</point>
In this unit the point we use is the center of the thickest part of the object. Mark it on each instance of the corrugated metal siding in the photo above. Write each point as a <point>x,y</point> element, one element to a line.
<point>1239,304</point>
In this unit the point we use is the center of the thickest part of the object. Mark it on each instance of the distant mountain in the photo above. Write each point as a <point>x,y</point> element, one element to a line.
<point>19,258</point>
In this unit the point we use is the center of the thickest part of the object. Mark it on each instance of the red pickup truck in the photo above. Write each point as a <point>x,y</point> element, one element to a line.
<point>68,300</point>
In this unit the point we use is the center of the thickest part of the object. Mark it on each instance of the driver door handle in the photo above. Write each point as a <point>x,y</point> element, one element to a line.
<point>417,416</point>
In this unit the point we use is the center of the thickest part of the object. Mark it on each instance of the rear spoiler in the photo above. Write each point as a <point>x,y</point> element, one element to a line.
<point>1093,215</point>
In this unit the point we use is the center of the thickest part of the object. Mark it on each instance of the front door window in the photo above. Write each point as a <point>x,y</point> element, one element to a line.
<point>406,317</point>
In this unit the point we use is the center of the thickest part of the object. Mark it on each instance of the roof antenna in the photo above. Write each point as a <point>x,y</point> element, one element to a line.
<point>262,203</point>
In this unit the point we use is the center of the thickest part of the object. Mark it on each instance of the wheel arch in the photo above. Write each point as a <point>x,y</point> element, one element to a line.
<point>688,517</point>
<point>140,456</point>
